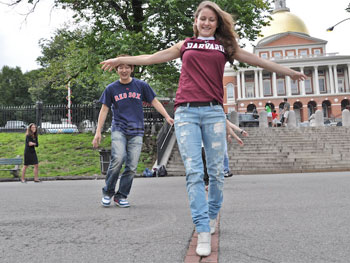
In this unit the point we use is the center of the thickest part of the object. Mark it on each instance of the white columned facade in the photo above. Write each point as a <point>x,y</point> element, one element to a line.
<point>261,85</point>
<point>331,80</point>
<point>335,72</point>
<point>256,83</point>
<point>348,77</point>
<point>328,83</point>
<point>316,83</point>
<point>243,85</point>
<point>288,91</point>
<point>274,88</point>
<point>302,83</point>
<point>239,96</point>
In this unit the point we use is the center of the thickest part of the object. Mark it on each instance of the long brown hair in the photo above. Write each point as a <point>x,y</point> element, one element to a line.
<point>225,31</point>
<point>30,133</point>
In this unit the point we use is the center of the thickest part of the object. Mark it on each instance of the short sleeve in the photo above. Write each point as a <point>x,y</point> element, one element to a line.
<point>147,93</point>
<point>106,98</point>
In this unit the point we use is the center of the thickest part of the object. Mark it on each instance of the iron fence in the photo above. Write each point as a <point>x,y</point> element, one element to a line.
<point>77,118</point>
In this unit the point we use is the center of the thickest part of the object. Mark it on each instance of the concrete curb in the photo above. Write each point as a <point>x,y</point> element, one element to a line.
<point>69,177</point>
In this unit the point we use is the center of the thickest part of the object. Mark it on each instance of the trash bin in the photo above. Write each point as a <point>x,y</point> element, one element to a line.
<point>105,157</point>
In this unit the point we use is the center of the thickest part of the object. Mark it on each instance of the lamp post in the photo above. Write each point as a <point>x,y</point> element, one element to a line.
<point>330,29</point>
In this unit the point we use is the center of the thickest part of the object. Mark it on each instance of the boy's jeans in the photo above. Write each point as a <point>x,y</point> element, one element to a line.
<point>125,148</point>
<point>192,125</point>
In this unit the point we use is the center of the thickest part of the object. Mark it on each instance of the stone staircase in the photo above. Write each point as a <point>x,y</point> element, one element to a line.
<point>284,150</point>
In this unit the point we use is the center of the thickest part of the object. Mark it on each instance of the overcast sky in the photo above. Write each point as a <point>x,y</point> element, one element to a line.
<point>19,39</point>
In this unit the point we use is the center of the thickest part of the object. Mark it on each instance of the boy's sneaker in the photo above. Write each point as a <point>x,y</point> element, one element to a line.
<point>121,202</point>
<point>106,200</point>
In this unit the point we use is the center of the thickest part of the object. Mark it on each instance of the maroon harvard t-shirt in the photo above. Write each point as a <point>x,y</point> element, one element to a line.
<point>203,63</point>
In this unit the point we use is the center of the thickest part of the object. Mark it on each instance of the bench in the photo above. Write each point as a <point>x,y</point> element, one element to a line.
<point>12,161</point>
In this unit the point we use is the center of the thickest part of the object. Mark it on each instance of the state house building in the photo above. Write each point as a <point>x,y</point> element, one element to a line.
<point>287,42</point>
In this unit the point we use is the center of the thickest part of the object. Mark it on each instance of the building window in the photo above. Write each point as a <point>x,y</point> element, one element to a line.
<point>303,52</point>
<point>317,51</point>
<point>294,87</point>
<point>280,87</point>
<point>249,90</point>
<point>264,55</point>
<point>322,85</point>
<point>341,86</point>
<point>277,54</point>
<point>249,77</point>
<point>308,86</point>
<point>340,71</point>
<point>267,84</point>
<point>230,90</point>
<point>267,87</point>
<point>290,53</point>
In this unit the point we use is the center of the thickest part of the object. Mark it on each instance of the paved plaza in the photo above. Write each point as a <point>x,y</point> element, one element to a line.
<point>265,218</point>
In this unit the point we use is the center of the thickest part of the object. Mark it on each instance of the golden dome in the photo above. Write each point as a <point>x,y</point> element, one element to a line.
<point>284,21</point>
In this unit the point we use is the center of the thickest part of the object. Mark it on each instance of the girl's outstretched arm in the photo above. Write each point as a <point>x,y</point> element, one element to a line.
<point>156,58</point>
<point>252,59</point>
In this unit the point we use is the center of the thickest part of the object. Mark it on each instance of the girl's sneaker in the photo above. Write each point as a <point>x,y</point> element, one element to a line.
<point>203,244</point>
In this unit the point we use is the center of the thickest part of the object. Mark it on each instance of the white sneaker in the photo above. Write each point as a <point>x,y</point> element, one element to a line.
<point>106,201</point>
<point>203,244</point>
<point>212,224</point>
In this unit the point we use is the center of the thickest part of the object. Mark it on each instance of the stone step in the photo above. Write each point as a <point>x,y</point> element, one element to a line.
<point>285,148</point>
<point>280,150</point>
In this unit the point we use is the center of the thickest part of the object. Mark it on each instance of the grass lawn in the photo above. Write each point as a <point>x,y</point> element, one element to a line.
<point>63,154</point>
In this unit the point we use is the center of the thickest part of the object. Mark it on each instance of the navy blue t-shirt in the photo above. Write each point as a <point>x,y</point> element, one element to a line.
<point>125,100</point>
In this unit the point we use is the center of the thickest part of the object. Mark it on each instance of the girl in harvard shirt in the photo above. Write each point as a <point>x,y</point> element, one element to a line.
<point>199,115</point>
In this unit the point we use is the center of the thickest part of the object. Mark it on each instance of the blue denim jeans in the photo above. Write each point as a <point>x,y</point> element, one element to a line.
<point>226,165</point>
<point>125,149</point>
<point>192,126</point>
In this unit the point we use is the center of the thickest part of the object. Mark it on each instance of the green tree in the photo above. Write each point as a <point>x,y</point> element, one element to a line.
<point>140,27</point>
<point>68,60</point>
<point>13,87</point>
<point>132,27</point>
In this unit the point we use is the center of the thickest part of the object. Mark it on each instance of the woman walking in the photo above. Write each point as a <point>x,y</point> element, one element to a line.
<point>199,114</point>
<point>30,157</point>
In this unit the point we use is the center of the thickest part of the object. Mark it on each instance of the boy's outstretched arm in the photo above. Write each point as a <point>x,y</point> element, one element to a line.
<point>160,108</point>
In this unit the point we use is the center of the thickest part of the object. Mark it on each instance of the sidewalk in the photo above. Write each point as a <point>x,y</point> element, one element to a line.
<point>265,218</point>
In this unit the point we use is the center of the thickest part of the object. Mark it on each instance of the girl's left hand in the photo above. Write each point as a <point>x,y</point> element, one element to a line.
<point>245,134</point>
<point>296,75</point>
<point>240,142</point>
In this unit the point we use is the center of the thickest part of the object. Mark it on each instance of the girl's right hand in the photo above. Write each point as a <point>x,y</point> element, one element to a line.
<point>110,64</point>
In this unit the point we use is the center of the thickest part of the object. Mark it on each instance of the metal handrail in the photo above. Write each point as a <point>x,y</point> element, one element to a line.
<point>163,140</point>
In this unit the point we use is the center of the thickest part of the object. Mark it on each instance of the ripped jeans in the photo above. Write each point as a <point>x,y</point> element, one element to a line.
<point>192,125</point>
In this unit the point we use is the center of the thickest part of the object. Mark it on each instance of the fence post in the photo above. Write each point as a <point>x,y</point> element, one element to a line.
<point>39,113</point>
